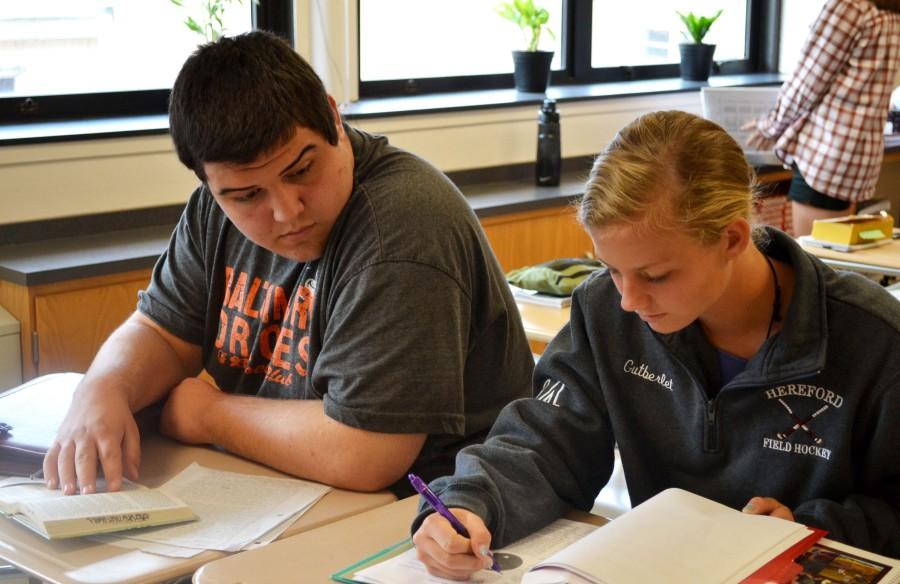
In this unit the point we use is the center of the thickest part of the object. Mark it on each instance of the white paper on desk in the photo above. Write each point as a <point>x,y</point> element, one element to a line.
<point>271,535</point>
<point>406,569</point>
<point>234,509</point>
<point>158,549</point>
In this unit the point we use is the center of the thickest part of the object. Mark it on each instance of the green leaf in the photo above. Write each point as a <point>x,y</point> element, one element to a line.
<point>527,16</point>
<point>192,24</point>
<point>697,27</point>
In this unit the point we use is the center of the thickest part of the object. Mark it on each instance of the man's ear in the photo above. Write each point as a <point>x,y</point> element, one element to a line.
<point>336,114</point>
<point>736,237</point>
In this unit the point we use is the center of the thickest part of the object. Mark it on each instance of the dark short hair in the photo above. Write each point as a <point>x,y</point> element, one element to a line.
<point>238,97</point>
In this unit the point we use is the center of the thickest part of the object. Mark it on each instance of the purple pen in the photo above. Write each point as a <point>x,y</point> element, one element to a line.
<point>438,505</point>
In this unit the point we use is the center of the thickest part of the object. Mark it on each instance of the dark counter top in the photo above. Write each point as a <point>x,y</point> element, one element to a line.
<point>133,246</point>
<point>29,258</point>
<point>70,258</point>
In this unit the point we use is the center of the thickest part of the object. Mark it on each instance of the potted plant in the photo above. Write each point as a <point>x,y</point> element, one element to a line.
<point>697,56</point>
<point>532,66</point>
<point>210,22</point>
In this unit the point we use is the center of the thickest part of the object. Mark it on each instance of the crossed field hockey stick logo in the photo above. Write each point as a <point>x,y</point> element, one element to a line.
<point>800,424</point>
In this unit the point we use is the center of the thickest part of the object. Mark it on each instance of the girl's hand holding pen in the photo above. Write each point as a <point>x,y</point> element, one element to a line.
<point>449,555</point>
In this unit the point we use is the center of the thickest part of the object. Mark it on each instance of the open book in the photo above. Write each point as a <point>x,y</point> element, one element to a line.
<point>56,516</point>
<point>678,538</point>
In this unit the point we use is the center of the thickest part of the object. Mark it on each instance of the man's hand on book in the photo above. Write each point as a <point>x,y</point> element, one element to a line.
<point>98,426</point>
<point>447,554</point>
<point>768,506</point>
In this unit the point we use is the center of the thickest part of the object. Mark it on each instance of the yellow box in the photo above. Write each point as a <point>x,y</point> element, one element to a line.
<point>853,229</point>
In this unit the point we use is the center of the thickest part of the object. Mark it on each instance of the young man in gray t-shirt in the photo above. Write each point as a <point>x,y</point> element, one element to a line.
<point>339,291</point>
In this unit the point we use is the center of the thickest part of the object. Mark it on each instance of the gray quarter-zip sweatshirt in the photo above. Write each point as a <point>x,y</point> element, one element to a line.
<point>813,420</point>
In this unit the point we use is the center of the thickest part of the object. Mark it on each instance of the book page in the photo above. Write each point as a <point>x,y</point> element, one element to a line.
<point>17,491</point>
<point>97,505</point>
<point>514,559</point>
<point>234,508</point>
<point>679,538</point>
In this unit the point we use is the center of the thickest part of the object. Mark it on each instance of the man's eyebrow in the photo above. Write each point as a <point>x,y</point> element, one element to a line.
<point>235,189</point>
<point>286,168</point>
<point>296,160</point>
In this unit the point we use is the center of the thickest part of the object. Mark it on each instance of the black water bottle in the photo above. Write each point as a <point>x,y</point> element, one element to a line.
<point>547,168</point>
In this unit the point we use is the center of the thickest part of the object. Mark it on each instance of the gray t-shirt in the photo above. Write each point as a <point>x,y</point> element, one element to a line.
<point>404,325</point>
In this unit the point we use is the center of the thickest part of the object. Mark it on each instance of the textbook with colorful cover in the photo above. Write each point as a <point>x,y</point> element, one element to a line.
<point>56,516</point>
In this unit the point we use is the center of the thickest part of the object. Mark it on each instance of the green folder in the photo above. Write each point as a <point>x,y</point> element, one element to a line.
<point>346,575</point>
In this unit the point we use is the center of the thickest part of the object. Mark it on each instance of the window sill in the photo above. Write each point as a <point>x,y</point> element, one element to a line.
<point>87,129</point>
<point>471,100</point>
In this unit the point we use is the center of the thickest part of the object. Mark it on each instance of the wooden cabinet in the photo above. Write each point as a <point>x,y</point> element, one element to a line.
<point>532,237</point>
<point>64,323</point>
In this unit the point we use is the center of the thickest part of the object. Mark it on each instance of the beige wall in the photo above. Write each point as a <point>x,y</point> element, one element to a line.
<point>93,176</point>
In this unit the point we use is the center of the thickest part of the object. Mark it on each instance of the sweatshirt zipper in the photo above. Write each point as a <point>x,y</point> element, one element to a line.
<point>710,435</point>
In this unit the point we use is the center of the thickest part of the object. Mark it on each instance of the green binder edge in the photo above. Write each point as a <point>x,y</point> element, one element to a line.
<point>385,554</point>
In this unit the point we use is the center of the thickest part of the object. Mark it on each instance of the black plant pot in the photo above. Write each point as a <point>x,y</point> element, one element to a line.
<point>532,70</point>
<point>696,61</point>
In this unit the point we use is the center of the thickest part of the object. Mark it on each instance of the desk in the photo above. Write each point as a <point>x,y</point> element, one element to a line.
<point>884,259</point>
<point>542,323</point>
<point>313,556</point>
<point>81,560</point>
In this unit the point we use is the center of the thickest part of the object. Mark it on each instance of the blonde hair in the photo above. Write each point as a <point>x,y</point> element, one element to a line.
<point>670,169</point>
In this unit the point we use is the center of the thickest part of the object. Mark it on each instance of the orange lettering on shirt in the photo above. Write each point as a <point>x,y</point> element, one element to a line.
<point>239,292</point>
<point>268,334</point>
<point>251,296</point>
<point>282,348</point>
<point>240,330</point>
<point>279,304</point>
<point>223,325</point>
<point>229,278</point>
<point>303,353</point>
<point>267,302</point>
<point>301,307</point>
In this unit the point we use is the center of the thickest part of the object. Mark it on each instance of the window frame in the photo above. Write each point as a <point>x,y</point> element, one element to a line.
<point>272,15</point>
<point>763,25</point>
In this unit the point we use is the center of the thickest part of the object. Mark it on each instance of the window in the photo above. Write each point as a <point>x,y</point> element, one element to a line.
<point>84,58</point>
<point>418,39</point>
<point>419,46</point>
<point>648,32</point>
